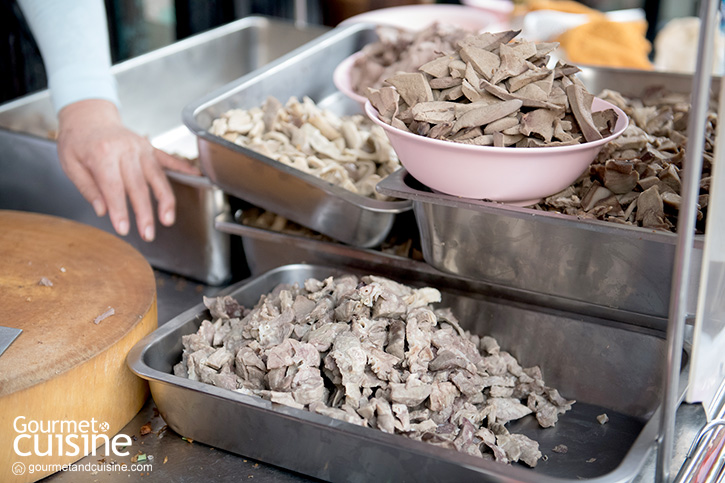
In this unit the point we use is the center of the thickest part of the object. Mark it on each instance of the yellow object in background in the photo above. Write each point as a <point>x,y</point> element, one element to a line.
<point>612,44</point>
<point>596,40</point>
<point>567,6</point>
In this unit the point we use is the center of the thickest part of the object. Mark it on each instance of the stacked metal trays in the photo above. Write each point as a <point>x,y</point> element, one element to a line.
<point>266,249</point>
<point>601,263</point>
<point>274,186</point>
<point>608,367</point>
<point>612,266</point>
<point>618,266</point>
<point>611,366</point>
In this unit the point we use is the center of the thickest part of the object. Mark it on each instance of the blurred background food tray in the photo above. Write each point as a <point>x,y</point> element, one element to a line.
<point>153,89</point>
<point>310,201</point>
<point>632,82</point>
<point>607,367</point>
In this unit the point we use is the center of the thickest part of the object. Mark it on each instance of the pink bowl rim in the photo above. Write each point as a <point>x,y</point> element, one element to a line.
<point>341,78</point>
<point>373,114</point>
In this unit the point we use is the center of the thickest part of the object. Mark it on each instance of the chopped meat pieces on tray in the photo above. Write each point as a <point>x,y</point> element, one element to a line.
<point>635,179</point>
<point>374,352</point>
<point>399,50</point>
<point>348,151</point>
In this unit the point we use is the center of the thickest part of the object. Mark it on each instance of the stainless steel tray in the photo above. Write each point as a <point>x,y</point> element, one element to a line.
<point>631,82</point>
<point>264,182</point>
<point>265,250</point>
<point>602,263</point>
<point>605,366</point>
<point>404,230</point>
<point>153,89</point>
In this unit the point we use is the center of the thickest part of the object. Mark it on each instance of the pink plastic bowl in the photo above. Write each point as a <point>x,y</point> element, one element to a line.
<point>518,176</point>
<point>341,79</point>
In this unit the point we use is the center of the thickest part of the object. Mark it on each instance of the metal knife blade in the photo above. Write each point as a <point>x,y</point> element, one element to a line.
<point>7,336</point>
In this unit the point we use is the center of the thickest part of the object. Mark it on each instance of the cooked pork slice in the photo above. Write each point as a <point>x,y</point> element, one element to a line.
<point>308,385</point>
<point>489,439</point>
<point>412,393</point>
<point>520,447</point>
<point>223,307</point>
<point>508,409</point>
<point>464,442</point>
<point>418,326</point>
<point>350,359</point>
<point>396,339</point>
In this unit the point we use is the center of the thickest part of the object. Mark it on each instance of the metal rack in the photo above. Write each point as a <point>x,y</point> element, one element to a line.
<point>680,282</point>
<point>705,456</point>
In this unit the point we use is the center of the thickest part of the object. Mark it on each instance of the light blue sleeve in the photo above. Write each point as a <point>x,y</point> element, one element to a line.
<point>73,39</point>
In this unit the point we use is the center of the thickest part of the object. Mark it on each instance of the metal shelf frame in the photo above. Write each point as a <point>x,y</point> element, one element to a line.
<point>685,235</point>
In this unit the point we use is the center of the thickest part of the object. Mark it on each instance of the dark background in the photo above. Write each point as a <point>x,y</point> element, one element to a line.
<point>138,26</point>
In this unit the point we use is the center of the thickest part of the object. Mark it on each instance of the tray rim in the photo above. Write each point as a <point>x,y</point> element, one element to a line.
<point>136,362</point>
<point>225,223</point>
<point>390,186</point>
<point>643,321</point>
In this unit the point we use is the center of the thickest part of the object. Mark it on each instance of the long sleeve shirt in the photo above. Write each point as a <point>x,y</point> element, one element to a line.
<point>73,39</point>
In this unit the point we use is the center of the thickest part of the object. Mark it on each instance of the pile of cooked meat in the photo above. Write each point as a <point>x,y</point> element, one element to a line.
<point>399,50</point>
<point>635,179</point>
<point>348,151</point>
<point>493,90</point>
<point>374,352</point>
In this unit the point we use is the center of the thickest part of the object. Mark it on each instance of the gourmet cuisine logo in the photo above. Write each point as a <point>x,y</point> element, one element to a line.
<point>66,438</point>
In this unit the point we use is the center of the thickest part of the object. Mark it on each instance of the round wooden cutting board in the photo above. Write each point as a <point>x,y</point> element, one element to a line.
<point>64,380</point>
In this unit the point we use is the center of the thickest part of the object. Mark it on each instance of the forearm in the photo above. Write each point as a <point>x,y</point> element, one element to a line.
<point>109,164</point>
<point>73,39</point>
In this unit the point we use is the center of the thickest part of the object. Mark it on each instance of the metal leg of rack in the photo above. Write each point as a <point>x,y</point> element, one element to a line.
<point>696,455</point>
<point>301,13</point>
<point>685,235</point>
<point>702,447</point>
<point>716,473</point>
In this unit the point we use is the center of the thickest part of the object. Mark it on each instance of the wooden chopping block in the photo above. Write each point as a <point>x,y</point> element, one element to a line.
<point>64,380</point>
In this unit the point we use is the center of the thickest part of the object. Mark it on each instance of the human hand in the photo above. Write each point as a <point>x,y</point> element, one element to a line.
<point>106,161</point>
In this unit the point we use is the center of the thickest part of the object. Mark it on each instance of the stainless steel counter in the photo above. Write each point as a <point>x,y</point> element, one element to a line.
<point>175,459</point>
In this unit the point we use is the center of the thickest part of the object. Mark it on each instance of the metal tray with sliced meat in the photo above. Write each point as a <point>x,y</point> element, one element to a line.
<point>609,368</point>
<point>607,239</point>
<point>254,177</point>
<point>607,264</point>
